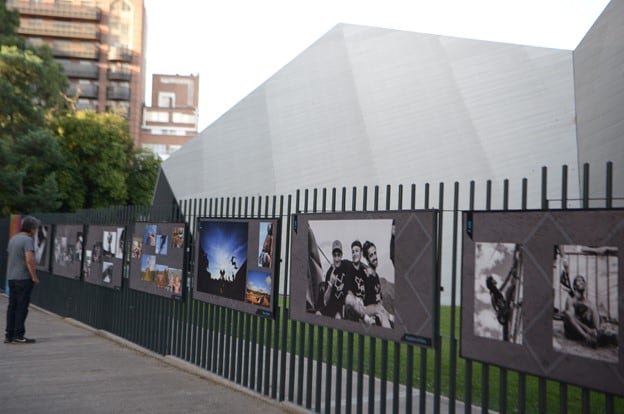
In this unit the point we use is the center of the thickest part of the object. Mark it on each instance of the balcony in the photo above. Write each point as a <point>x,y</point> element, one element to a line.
<point>76,32</point>
<point>75,52</point>
<point>81,71</point>
<point>67,11</point>
<point>118,93</point>
<point>83,91</point>
<point>87,105</point>
<point>119,74</point>
<point>119,54</point>
<point>121,110</point>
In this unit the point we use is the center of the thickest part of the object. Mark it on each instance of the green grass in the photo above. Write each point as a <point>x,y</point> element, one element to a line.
<point>484,377</point>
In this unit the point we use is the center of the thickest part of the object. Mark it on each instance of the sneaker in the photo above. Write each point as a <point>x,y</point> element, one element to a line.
<point>7,340</point>
<point>24,340</point>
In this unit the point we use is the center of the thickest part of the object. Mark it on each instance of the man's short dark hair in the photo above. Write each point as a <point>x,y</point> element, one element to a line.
<point>356,243</point>
<point>367,245</point>
<point>29,223</point>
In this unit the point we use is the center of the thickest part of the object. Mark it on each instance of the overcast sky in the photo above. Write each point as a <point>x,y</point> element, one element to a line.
<point>235,45</point>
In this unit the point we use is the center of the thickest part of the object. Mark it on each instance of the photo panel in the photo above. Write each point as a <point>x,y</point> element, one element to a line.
<point>68,250</point>
<point>157,258</point>
<point>371,273</point>
<point>103,255</point>
<point>542,293</point>
<point>498,291</point>
<point>42,241</point>
<point>236,264</point>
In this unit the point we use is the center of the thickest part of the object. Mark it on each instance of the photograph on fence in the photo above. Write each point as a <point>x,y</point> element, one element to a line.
<point>498,291</point>
<point>585,318</point>
<point>366,272</point>
<point>236,263</point>
<point>157,258</point>
<point>68,246</point>
<point>42,247</point>
<point>103,255</point>
<point>542,293</point>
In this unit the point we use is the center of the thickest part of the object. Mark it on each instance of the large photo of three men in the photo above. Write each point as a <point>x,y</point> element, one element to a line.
<point>366,272</point>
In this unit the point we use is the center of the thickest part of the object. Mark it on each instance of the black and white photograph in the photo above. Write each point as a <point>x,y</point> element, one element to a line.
<point>107,272</point>
<point>585,286</point>
<point>121,242</point>
<point>102,265</point>
<point>86,264</point>
<point>352,270</point>
<point>498,291</point>
<point>97,252</point>
<point>68,242</point>
<point>42,247</point>
<point>370,273</point>
<point>109,243</point>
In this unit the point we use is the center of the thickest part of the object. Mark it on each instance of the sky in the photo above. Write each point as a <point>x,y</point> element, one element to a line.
<point>236,45</point>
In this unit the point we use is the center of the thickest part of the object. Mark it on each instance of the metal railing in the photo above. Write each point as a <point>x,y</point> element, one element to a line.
<point>71,32</point>
<point>81,71</point>
<point>322,369</point>
<point>56,10</point>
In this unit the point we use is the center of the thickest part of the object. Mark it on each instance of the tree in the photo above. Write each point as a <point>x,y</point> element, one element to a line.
<point>32,89</point>
<point>98,148</point>
<point>9,22</point>
<point>102,167</point>
<point>144,170</point>
<point>51,157</point>
<point>32,83</point>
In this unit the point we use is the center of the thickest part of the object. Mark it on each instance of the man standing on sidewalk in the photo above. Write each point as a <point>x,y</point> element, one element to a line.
<point>22,276</point>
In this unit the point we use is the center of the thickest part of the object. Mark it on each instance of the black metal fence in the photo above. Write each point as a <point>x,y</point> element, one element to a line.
<point>322,369</point>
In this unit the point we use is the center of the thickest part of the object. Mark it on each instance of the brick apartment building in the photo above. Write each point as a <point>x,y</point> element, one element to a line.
<point>100,43</point>
<point>172,119</point>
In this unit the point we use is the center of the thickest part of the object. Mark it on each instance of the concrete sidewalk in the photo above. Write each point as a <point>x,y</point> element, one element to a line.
<point>74,369</point>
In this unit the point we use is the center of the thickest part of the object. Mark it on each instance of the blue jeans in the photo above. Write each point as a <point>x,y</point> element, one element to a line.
<point>19,299</point>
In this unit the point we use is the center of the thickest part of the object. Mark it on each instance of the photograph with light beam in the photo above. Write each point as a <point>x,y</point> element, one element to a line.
<point>222,261</point>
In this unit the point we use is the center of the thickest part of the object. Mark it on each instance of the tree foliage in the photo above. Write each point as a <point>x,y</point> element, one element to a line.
<point>143,175</point>
<point>105,165</point>
<point>10,22</point>
<point>31,93</point>
<point>51,157</point>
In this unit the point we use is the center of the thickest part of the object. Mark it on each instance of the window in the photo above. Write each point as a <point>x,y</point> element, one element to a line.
<point>121,23</point>
<point>180,118</point>
<point>166,100</point>
<point>156,116</point>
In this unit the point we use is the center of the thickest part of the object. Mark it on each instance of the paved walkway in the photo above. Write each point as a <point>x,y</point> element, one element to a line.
<point>75,369</point>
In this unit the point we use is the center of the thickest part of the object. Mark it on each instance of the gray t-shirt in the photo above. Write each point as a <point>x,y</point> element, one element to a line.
<point>18,246</point>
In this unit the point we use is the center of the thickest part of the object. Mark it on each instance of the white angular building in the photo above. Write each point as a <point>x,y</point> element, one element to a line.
<point>371,106</point>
